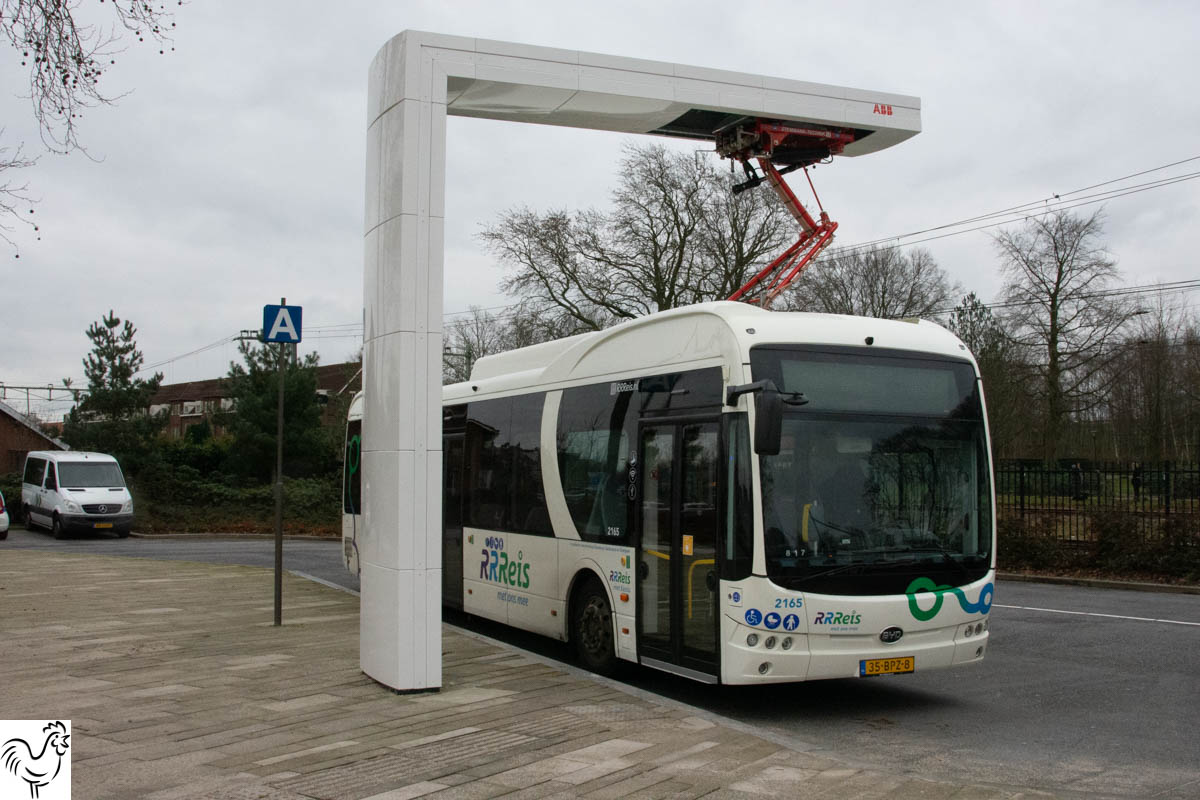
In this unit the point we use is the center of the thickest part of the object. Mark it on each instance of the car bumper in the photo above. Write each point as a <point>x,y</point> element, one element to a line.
<point>97,522</point>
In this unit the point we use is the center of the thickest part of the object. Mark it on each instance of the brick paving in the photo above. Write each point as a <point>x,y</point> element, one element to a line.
<point>179,688</point>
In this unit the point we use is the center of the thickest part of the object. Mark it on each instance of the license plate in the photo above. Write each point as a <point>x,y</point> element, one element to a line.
<point>103,524</point>
<point>886,666</point>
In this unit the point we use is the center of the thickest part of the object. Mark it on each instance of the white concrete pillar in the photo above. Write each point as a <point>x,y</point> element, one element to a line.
<point>400,546</point>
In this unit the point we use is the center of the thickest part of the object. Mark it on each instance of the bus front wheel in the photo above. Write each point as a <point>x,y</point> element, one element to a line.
<point>592,629</point>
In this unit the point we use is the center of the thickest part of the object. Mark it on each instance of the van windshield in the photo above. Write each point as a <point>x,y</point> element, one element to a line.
<point>85,475</point>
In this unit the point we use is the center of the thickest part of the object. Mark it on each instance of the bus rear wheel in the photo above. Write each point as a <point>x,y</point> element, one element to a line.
<point>592,629</point>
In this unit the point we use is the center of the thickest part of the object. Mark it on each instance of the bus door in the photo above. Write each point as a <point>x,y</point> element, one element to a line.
<point>679,523</point>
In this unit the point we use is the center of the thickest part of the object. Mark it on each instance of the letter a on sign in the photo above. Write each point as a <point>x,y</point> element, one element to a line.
<point>282,324</point>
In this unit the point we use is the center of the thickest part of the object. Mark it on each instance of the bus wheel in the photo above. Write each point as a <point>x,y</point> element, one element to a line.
<point>592,629</point>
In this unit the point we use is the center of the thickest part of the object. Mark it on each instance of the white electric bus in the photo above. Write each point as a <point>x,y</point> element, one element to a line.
<point>728,494</point>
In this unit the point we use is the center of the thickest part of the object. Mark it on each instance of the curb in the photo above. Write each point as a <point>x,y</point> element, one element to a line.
<point>269,536</point>
<point>1100,583</point>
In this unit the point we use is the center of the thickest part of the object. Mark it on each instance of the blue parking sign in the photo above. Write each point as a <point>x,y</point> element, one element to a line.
<point>282,324</point>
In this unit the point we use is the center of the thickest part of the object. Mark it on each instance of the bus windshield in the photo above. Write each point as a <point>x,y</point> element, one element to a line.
<point>882,476</point>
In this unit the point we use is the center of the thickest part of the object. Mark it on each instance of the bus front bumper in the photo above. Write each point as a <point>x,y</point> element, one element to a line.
<point>800,657</point>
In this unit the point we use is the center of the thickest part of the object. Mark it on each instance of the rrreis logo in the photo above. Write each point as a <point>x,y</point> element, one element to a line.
<point>35,758</point>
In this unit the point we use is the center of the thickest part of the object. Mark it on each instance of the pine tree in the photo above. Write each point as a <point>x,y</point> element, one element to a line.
<point>114,415</point>
<point>114,390</point>
<point>308,448</point>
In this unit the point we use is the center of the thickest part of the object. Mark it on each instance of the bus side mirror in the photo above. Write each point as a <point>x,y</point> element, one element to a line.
<point>768,413</point>
<point>768,422</point>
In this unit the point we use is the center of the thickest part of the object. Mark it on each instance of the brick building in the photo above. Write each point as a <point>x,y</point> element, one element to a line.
<point>194,402</point>
<point>19,435</point>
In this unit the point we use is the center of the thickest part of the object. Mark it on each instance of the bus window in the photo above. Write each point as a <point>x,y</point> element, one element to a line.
<point>528,501</point>
<point>595,429</point>
<point>738,530</point>
<point>504,484</point>
<point>352,469</point>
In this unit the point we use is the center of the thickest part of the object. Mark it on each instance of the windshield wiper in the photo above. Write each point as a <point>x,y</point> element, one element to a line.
<point>944,553</point>
<point>844,568</point>
<point>857,566</point>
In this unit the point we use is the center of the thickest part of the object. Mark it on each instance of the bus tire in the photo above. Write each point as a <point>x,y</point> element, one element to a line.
<point>592,628</point>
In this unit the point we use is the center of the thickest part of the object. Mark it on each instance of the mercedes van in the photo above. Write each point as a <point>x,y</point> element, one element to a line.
<point>64,491</point>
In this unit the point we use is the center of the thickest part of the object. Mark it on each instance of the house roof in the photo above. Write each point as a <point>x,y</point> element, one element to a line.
<point>191,390</point>
<point>331,378</point>
<point>25,421</point>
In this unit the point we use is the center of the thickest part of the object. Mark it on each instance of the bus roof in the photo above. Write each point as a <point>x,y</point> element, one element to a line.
<point>703,334</point>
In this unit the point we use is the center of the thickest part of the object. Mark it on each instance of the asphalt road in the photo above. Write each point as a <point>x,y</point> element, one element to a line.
<point>1088,691</point>
<point>319,558</point>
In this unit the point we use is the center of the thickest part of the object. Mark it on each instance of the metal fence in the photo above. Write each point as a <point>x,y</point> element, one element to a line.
<point>1065,499</point>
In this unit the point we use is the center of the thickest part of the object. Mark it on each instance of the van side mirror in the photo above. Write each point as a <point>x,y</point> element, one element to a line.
<point>768,414</point>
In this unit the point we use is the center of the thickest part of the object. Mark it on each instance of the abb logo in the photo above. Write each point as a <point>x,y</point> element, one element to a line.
<point>880,108</point>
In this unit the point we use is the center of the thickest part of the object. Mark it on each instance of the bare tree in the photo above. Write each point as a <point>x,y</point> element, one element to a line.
<point>66,58</point>
<point>676,235</point>
<point>1057,274</point>
<point>468,339</point>
<point>873,282</point>
<point>13,195</point>
<point>1151,401</point>
<point>1006,377</point>
<point>482,333</point>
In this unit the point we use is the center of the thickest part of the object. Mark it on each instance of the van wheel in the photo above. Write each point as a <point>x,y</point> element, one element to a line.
<point>28,517</point>
<point>592,629</point>
<point>57,528</point>
<point>122,534</point>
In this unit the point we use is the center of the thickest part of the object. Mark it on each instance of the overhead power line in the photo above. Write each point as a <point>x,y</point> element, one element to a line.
<point>1060,202</point>
<point>1119,291</point>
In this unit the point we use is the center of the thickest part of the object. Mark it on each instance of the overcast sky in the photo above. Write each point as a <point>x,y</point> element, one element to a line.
<point>232,173</point>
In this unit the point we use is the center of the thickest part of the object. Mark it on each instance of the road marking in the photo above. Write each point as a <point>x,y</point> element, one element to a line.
<point>323,582</point>
<point>1095,614</point>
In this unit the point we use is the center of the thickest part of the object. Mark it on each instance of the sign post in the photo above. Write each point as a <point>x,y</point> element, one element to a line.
<point>281,324</point>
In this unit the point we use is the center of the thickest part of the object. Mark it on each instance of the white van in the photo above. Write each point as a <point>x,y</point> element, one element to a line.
<point>67,491</point>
